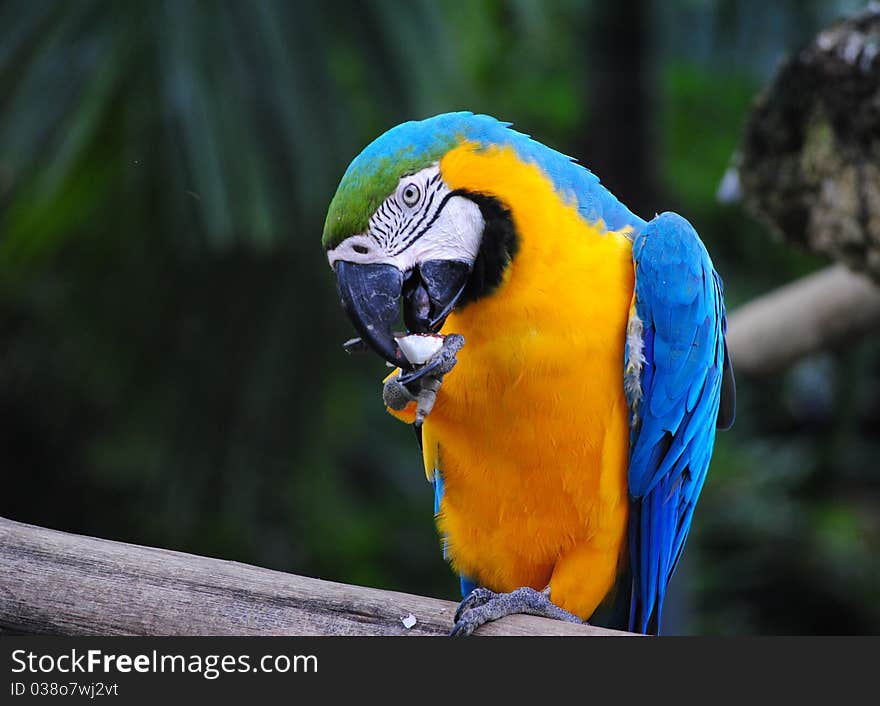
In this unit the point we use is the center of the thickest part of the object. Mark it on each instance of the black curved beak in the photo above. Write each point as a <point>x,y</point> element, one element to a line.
<point>371,296</point>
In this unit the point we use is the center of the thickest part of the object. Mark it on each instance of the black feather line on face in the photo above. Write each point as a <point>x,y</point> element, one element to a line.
<point>498,247</point>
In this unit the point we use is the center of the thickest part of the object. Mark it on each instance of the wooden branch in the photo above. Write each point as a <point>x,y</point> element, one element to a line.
<point>809,315</point>
<point>64,584</point>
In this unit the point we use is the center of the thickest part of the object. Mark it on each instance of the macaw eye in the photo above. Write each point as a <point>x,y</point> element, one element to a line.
<point>411,194</point>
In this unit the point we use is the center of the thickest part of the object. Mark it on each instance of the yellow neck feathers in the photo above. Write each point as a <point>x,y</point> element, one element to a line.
<point>565,267</point>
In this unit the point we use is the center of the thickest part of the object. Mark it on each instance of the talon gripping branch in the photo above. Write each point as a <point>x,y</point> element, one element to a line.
<point>571,435</point>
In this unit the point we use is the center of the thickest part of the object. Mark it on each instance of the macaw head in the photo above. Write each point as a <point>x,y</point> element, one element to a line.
<point>397,233</point>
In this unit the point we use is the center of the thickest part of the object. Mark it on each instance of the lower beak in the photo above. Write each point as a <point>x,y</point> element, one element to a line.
<point>371,296</point>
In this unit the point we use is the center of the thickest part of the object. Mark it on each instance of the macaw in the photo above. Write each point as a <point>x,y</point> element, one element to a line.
<point>568,419</point>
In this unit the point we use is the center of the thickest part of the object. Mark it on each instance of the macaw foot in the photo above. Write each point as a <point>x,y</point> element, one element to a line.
<point>482,606</point>
<point>421,385</point>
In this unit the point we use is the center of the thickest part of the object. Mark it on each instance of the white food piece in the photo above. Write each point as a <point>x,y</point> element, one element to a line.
<point>408,621</point>
<point>419,347</point>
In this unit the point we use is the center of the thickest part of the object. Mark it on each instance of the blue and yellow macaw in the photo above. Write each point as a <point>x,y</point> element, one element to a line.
<point>569,438</point>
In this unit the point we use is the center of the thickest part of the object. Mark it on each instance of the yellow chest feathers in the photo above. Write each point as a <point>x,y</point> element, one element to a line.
<point>530,429</point>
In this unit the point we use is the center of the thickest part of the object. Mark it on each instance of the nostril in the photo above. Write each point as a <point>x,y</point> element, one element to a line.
<point>360,249</point>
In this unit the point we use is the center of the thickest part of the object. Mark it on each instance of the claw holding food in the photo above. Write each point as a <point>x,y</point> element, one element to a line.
<point>395,394</point>
<point>423,384</point>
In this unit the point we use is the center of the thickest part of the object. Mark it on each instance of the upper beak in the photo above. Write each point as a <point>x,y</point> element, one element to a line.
<point>371,296</point>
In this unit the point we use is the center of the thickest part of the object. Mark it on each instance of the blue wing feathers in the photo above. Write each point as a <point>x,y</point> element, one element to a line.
<point>678,299</point>
<point>467,585</point>
<point>438,491</point>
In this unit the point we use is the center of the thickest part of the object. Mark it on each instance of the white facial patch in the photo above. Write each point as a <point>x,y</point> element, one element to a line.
<point>422,220</point>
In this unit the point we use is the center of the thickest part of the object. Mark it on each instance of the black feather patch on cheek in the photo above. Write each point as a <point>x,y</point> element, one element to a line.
<point>498,247</point>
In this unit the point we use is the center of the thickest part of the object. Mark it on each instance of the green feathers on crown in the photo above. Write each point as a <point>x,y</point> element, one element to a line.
<point>368,181</point>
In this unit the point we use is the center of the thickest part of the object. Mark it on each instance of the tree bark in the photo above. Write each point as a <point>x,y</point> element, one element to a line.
<point>809,163</point>
<point>804,317</point>
<point>64,584</point>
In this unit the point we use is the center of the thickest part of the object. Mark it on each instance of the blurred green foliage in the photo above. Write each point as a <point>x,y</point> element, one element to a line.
<point>171,372</point>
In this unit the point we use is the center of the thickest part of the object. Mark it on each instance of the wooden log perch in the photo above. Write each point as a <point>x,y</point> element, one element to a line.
<point>65,584</point>
<point>814,313</point>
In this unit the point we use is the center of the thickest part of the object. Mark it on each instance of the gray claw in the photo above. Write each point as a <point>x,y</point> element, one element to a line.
<point>499,605</point>
<point>465,626</point>
<point>479,596</point>
<point>452,344</point>
<point>443,361</point>
<point>395,395</point>
<point>422,385</point>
